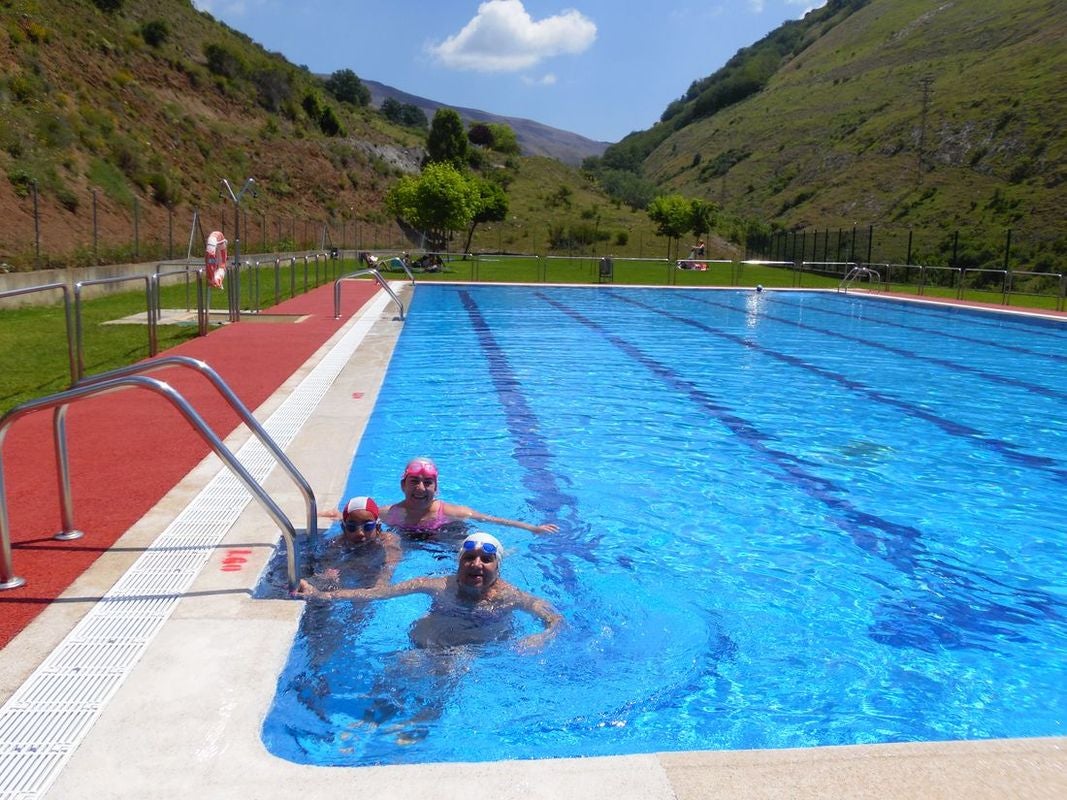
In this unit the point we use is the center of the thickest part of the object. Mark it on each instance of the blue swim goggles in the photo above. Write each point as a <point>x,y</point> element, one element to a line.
<point>486,547</point>
<point>352,525</point>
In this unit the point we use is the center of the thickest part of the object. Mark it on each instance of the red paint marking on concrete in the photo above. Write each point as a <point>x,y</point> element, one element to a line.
<point>357,395</point>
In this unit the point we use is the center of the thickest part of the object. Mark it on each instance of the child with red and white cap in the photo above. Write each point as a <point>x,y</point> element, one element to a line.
<point>362,534</point>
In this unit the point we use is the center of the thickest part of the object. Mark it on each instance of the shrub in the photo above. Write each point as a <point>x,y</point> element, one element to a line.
<point>155,32</point>
<point>108,6</point>
<point>329,124</point>
<point>222,61</point>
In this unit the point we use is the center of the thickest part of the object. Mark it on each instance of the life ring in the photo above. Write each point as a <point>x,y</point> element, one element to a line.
<point>215,258</point>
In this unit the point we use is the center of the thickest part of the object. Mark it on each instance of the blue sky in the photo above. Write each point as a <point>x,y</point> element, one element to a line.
<point>601,68</point>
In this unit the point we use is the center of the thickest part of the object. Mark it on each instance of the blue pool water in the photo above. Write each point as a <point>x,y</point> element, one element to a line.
<point>788,519</point>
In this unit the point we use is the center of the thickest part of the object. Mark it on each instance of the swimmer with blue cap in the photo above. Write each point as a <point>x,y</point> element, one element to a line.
<point>472,606</point>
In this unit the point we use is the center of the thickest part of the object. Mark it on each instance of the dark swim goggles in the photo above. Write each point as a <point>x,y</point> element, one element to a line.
<point>369,526</point>
<point>486,547</point>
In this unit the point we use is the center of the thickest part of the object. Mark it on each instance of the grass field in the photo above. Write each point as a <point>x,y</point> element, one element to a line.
<point>34,356</point>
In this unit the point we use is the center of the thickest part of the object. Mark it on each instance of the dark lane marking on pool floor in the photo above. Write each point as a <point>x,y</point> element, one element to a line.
<point>953,428</point>
<point>531,450</point>
<point>953,366</point>
<point>946,591</point>
<point>1047,327</point>
<point>781,301</point>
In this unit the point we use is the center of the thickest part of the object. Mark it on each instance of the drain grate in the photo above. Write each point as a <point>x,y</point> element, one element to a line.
<point>47,717</point>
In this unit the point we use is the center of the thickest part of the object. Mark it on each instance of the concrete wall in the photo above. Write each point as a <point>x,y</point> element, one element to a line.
<point>23,280</point>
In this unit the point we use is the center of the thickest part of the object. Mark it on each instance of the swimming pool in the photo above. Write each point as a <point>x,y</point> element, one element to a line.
<point>789,519</point>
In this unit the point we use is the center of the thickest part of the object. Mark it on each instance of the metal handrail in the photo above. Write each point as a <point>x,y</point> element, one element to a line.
<point>235,403</point>
<point>8,579</point>
<point>201,311</point>
<point>857,272</point>
<point>153,344</point>
<point>66,315</point>
<point>359,273</point>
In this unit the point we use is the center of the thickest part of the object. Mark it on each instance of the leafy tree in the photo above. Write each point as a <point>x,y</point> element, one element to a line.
<point>492,206</point>
<point>448,140</point>
<point>407,114</point>
<point>504,139</point>
<point>440,200</point>
<point>346,86</point>
<point>479,133</point>
<point>703,217</point>
<point>672,215</point>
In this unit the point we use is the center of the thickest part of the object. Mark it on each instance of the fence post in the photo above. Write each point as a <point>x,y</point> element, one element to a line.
<point>36,229</point>
<point>136,231</point>
<point>955,247</point>
<point>908,259</point>
<point>870,242</point>
<point>95,234</point>
<point>1007,249</point>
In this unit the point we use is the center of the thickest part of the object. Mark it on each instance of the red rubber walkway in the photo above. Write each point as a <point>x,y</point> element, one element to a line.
<point>128,449</point>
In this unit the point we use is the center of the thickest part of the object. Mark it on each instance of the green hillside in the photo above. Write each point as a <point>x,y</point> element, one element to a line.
<point>149,104</point>
<point>903,114</point>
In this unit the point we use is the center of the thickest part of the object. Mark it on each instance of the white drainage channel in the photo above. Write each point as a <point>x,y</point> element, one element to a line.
<point>45,720</point>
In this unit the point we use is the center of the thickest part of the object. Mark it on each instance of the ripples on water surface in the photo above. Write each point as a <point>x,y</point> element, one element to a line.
<point>788,520</point>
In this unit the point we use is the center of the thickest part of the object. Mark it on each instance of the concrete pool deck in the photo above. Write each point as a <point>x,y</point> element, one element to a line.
<point>185,719</point>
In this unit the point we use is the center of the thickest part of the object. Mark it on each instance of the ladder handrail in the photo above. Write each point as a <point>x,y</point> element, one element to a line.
<point>9,580</point>
<point>858,271</point>
<point>358,273</point>
<point>235,403</point>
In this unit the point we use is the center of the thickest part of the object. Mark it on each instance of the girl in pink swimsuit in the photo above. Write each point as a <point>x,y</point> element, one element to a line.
<point>420,512</point>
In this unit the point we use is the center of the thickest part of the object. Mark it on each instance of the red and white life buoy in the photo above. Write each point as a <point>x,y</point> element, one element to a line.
<point>215,258</point>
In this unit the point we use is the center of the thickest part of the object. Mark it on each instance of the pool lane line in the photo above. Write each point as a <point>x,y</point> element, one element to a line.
<point>778,300</point>
<point>900,545</point>
<point>531,450</point>
<point>1005,449</point>
<point>954,366</point>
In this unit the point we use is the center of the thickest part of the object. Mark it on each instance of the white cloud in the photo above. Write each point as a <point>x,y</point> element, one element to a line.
<point>503,37</point>
<point>548,79</point>
<point>756,6</point>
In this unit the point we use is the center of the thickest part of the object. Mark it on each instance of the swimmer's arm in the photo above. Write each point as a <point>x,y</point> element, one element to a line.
<point>393,554</point>
<point>430,586</point>
<point>544,611</point>
<point>466,512</point>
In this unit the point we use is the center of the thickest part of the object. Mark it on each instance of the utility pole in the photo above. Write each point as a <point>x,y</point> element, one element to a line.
<point>924,82</point>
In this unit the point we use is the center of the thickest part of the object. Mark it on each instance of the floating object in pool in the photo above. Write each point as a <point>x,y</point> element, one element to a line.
<point>759,287</point>
<point>215,258</point>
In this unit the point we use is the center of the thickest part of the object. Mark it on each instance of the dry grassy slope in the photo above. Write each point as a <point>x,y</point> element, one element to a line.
<point>834,139</point>
<point>81,89</point>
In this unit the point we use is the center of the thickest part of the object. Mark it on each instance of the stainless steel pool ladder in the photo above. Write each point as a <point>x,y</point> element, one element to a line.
<point>857,272</point>
<point>358,274</point>
<point>129,377</point>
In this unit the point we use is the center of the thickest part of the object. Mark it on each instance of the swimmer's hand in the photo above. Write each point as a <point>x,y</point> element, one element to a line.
<point>532,643</point>
<point>548,527</point>
<point>305,591</point>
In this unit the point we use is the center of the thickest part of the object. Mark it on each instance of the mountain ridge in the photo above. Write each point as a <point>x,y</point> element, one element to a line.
<point>535,138</point>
